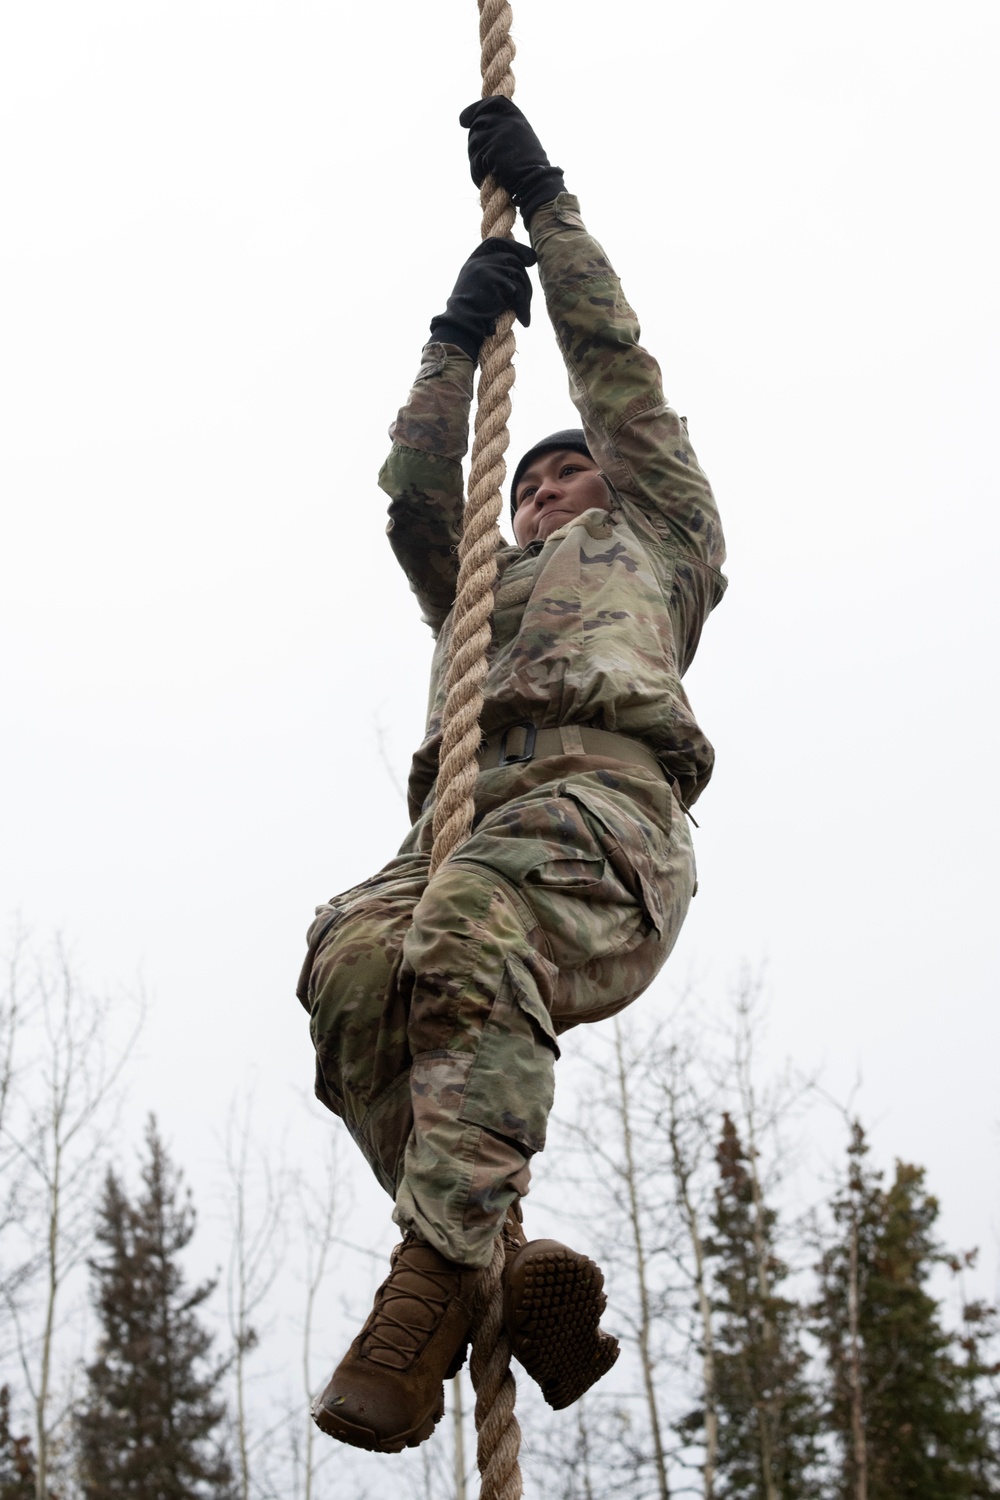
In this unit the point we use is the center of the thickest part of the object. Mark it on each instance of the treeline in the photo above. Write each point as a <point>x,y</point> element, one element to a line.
<point>831,1354</point>
<point>774,1350</point>
<point>151,1418</point>
<point>118,1374</point>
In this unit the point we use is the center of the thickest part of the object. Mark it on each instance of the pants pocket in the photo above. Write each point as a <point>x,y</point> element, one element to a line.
<point>626,848</point>
<point>511,1084</point>
<point>323,921</point>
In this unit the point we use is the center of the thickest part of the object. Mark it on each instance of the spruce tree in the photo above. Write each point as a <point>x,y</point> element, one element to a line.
<point>904,1398</point>
<point>979,1342</point>
<point>17,1459</point>
<point>150,1423</point>
<point>767,1416</point>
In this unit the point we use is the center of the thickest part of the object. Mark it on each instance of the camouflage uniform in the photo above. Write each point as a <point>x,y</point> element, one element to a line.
<point>435,1008</point>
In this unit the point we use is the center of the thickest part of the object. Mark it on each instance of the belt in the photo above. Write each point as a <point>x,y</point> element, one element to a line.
<point>523,742</point>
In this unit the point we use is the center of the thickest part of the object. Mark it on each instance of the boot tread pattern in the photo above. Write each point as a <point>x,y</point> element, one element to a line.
<point>556,1334</point>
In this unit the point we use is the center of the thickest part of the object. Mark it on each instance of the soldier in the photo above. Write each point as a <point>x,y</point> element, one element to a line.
<point>436,1006</point>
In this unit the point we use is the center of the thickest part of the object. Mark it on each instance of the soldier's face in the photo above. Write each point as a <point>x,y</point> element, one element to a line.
<point>553,489</point>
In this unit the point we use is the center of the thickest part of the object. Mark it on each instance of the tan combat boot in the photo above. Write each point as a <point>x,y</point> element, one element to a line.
<point>553,1301</point>
<point>387,1393</point>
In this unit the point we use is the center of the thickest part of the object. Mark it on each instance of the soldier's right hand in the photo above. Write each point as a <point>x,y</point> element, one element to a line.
<point>493,280</point>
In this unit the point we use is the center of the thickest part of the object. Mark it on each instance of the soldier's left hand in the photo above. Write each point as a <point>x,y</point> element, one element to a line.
<point>493,280</point>
<point>502,143</point>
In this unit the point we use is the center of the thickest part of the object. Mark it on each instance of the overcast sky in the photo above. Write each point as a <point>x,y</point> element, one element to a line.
<point>226,228</point>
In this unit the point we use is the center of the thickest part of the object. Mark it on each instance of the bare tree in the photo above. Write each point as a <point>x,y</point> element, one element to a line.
<point>746,1010</point>
<point>256,1199</point>
<point>458,1422</point>
<point>587,1454</point>
<point>629,1172</point>
<point>59,1115</point>
<point>624,1188</point>
<point>683,1121</point>
<point>321,1206</point>
<point>768,1419</point>
<point>647,1135</point>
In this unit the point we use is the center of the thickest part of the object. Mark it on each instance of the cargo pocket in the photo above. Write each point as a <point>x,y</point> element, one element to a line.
<point>626,849</point>
<point>511,1085</point>
<point>325,918</point>
<point>575,875</point>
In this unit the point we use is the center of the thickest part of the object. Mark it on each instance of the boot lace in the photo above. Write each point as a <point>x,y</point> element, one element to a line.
<point>391,1339</point>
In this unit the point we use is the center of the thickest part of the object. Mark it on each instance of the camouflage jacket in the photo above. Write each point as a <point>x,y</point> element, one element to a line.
<point>597,623</point>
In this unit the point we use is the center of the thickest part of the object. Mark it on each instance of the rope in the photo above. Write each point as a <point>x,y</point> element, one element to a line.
<point>458,767</point>
<point>496,1425</point>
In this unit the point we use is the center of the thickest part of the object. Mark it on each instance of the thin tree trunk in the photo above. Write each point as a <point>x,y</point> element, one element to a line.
<point>459,1422</point>
<point>765,1417</point>
<point>318,1234</point>
<point>645,1316</point>
<point>256,1220</point>
<point>45,1372</point>
<point>60,1084</point>
<point>581,1428</point>
<point>241,1426</point>
<point>240,1321</point>
<point>708,1377</point>
<point>682,1177</point>
<point>858,1439</point>
<point>311,1291</point>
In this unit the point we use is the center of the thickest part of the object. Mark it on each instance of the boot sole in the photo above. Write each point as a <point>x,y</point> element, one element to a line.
<point>363,1437</point>
<point>553,1306</point>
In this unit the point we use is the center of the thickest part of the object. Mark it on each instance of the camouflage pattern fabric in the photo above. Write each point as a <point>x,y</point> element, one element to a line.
<point>598,623</point>
<point>435,1007</point>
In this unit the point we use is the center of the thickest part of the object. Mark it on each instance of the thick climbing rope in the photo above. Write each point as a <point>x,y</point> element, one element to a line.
<point>477,550</point>
<point>499,1436</point>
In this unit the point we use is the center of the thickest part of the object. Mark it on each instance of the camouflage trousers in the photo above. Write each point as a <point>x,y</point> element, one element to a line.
<point>435,1005</point>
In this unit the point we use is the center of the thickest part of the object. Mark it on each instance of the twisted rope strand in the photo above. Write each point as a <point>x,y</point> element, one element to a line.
<point>496,1424</point>
<point>497,48</point>
<point>499,1433</point>
<point>467,666</point>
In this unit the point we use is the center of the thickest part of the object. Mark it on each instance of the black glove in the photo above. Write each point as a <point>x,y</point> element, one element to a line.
<point>493,279</point>
<point>502,142</point>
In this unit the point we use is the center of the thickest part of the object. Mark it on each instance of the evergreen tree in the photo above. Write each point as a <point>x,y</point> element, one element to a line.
<point>979,1338</point>
<point>768,1420</point>
<point>904,1398</point>
<point>149,1425</point>
<point>17,1460</point>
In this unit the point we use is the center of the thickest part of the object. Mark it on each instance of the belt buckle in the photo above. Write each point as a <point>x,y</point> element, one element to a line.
<point>528,753</point>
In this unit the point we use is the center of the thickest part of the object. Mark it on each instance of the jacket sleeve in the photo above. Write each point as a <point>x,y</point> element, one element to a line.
<point>639,441</point>
<point>423,478</point>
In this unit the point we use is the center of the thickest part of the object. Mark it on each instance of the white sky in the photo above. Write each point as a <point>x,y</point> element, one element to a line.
<point>226,228</point>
